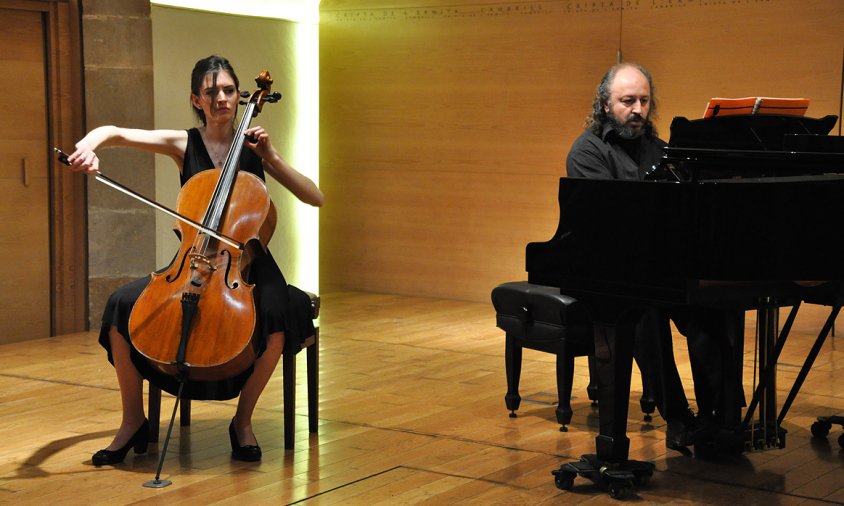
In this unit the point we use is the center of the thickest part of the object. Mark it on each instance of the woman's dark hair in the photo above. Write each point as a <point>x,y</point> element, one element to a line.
<point>212,64</point>
<point>598,118</point>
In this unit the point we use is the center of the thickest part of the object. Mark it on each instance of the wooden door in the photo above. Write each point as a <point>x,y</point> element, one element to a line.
<point>24,184</point>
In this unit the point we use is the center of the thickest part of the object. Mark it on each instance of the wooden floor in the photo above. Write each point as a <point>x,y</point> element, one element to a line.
<point>411,412</point>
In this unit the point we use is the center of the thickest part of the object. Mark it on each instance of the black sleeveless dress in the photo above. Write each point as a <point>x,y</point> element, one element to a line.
<point>280,307</point>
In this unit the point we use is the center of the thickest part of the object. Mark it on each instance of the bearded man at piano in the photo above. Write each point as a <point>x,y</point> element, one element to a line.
<point>620,141</point>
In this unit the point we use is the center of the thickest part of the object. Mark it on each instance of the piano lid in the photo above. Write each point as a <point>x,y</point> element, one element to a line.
<point>750,146</point>
<point>745,132</point>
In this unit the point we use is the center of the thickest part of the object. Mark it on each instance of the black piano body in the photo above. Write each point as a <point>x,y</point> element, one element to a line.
<point>753,225</point>
<point>669,234</point>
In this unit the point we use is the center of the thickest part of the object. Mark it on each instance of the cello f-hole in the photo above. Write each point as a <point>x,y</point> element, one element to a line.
<point>172,278</point>
<point>234,284</point>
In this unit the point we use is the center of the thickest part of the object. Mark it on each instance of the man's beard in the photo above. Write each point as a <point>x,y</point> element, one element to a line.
<point>626,130</point>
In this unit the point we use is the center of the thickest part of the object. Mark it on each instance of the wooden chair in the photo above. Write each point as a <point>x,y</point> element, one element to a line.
<point>288,366</point>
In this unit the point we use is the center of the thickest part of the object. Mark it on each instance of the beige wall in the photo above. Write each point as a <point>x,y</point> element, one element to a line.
<point>444,129</point>
<point>180,38</point>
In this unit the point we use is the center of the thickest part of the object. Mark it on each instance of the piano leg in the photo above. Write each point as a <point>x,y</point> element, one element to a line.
<point>614,357</point>
<point>513,368</point>
<point>609,467</point>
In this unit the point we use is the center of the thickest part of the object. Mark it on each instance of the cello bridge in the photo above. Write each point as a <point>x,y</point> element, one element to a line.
<point>196,258</point>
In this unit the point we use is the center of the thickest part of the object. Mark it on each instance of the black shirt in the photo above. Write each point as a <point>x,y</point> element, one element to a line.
<point>608,156</point>
<point>197,158</point>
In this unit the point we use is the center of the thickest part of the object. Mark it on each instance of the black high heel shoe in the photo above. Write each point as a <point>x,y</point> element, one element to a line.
<point>139,440</point>
<point>247,453</point>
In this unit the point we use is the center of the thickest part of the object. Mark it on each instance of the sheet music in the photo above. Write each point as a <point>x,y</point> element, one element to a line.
<point>756,105</point>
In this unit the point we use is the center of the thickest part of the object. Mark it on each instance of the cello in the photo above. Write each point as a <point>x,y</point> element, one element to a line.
<point>196,318</point>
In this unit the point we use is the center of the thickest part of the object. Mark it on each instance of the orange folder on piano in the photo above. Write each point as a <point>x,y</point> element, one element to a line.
<point>756,105</point>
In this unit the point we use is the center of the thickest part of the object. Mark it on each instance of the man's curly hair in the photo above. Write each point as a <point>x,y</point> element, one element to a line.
<point>599,117</point>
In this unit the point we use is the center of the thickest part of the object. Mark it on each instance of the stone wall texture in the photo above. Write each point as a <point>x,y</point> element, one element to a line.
<point>117,44</point>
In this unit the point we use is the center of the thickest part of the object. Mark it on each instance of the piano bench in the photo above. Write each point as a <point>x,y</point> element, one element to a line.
<point>541,318</point>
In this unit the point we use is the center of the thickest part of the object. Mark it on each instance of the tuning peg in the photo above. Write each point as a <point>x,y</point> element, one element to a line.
<point>272,97</point>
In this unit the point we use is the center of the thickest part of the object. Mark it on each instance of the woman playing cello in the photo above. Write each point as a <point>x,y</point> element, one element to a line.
<point>283,312</point>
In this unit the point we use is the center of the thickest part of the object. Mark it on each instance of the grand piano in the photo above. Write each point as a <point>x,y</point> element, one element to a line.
<point>742,212</point>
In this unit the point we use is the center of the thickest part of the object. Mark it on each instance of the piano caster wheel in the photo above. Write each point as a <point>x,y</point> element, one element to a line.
<point>648,418</point>
<point>820,429</point>
<point>594,404</point>
<point>563,428</point>
<point>564,480</point>
<point>618,479</point>
<point>513,414</point>
<point>619,489</point>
